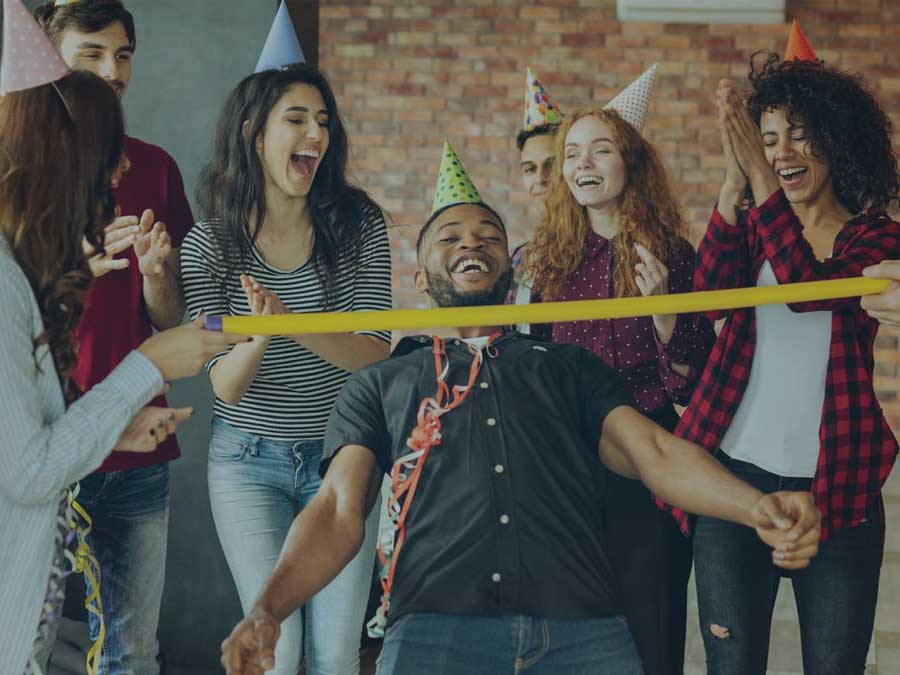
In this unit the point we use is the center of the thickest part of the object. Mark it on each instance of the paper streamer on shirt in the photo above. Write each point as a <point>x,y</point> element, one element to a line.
<point>550,312</point>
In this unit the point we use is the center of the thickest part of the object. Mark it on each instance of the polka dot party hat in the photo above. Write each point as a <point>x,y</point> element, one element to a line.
<point>798,48</point>
<point>453,184</point>
<point>539,109</point>
<point>28,60</point>
<point>632,102</point>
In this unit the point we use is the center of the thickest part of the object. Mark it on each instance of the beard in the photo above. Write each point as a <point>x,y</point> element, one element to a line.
<point>444,294</point>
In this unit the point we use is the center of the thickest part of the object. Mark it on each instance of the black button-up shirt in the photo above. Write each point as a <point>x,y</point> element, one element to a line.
<point>507,515</point>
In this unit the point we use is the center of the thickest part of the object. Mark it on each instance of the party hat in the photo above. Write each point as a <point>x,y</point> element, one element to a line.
<point>29,59</point>
<point>632,102</point>
<point>453,184</point>
<point>539,109</point>
<point>798,48</point>
<point>282,46</point>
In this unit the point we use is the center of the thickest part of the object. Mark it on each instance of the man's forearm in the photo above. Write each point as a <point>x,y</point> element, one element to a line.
<point>685,475</point>
<point>319,545</point>
<point>164,299</point>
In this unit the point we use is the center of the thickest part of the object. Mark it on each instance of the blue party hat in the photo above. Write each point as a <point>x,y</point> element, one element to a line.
<point>282,46</point>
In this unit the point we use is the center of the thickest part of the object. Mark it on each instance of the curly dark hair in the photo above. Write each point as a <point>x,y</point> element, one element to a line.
<point>845,125</point>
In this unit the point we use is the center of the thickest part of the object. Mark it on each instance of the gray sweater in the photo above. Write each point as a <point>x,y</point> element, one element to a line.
<point>45,447</point>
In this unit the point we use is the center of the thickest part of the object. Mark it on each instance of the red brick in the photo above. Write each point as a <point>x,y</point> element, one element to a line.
<point>407,72</point>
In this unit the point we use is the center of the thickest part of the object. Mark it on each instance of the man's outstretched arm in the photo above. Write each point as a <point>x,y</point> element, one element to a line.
<point>685,475</point>
<point>323,539</point>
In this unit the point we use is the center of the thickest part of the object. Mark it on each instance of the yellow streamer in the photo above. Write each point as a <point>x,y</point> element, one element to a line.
<point>88,565</point>
<point>549,312</point>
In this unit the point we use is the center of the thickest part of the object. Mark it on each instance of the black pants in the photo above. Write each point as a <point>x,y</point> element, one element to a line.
<point>737,584</point>
<point>652,560</point>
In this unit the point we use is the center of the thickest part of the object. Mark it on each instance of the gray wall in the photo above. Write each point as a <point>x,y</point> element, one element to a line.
<point>190,54</point>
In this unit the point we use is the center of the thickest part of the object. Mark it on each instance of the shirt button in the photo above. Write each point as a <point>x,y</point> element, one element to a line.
<point>495,577</point>
<point>491,422</point>
<point>504,519</point>
<point>498,468</point>
<point>484,385</point>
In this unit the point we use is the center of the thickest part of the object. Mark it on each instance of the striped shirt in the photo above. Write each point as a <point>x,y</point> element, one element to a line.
<point>294,389</point>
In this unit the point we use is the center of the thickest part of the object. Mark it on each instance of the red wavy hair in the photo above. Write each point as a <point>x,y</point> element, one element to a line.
<point>650,213</point>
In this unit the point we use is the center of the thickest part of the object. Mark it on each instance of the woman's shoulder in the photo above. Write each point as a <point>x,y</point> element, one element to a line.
<point>875,219</point>
<point>201,235</point>
<point>373,217</point>
<point>682,248</point>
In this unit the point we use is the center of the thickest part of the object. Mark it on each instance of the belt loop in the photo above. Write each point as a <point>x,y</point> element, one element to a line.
<point>253,446</point>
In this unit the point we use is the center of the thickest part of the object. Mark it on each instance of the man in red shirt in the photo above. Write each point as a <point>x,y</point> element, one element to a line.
<point>137,288</point>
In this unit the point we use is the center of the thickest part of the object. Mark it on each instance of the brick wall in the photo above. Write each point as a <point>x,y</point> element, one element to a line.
<point>410,72</point>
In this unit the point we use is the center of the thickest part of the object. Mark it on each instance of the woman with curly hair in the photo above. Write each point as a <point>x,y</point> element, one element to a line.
<point>613,229</point>
<point>787,400</point>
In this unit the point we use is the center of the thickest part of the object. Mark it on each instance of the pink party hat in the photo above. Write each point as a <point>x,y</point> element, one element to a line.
<point>632,102</point>
<point>29,59</point>
<point>539,109</point>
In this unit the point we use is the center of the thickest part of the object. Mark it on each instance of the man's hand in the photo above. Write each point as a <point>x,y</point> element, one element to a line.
<point>152,246</point>
<point>789,522</point>
<point>250,649</point>
<point>884,306</point>
<point>118,236</point>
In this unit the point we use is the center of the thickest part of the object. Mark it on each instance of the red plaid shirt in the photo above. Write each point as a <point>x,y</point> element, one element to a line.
<point>857,447</point>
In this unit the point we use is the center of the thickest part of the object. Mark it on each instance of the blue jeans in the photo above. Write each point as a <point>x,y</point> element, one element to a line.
<point>130,513</point>
<point>450,644</point>
<point>737,584</point>
<point>256,487</point>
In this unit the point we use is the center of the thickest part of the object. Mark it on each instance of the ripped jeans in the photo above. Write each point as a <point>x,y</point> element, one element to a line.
<point>256,487</point>
<point>737,584</point>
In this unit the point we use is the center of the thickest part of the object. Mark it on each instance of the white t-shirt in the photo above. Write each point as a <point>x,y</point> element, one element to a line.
<point>776,426</point>
<point>478,342</point>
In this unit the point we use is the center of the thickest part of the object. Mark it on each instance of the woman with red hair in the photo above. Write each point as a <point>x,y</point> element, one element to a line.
<point>613,229</point>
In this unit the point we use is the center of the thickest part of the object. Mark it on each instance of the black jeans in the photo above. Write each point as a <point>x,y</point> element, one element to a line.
<point>737,584</point>
<point>652,561</point>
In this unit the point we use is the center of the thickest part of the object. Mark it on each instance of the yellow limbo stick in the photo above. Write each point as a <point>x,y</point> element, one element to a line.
<point>550,312</point>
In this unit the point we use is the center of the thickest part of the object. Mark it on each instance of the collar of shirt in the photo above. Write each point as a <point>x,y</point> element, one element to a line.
<point>413,342</point>
<point>594,244</point>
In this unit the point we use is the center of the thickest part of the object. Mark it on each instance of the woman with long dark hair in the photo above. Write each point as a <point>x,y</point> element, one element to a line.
<point>787,400</point>
<point>613,228</point>
<point>285,231</point>
<point>60,146</point>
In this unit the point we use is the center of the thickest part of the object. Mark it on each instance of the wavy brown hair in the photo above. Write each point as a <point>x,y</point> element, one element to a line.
<point>650,213</point>
<point>59,147</point>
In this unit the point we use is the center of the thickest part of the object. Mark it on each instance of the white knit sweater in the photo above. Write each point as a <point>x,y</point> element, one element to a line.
<point>45,447</point>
